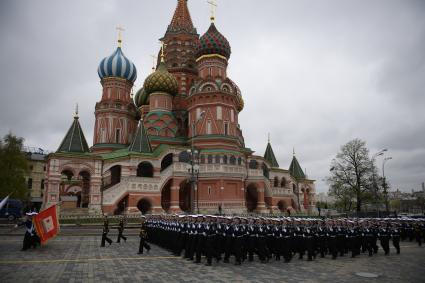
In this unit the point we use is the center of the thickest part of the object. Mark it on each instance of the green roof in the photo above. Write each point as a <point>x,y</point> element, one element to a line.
<point>295,169</point>
<point>74,140</point>
<point>269,156</point>
<point>141,141</point>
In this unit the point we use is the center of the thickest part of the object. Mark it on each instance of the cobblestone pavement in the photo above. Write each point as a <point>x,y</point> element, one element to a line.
<point>81,259</point>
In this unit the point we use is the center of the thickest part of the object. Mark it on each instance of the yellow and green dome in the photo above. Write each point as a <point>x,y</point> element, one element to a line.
<point>161,81</point>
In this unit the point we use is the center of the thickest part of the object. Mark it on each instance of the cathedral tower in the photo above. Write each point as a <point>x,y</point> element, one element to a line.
<point>214,100</point>
<point>115,113</point>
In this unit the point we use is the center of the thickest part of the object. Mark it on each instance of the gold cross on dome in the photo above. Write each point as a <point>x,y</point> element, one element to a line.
<point>163,45</point>
<point>120,30</point>
<point>213,6</point>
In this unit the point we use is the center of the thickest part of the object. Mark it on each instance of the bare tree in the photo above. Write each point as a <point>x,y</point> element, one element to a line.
<point>351,173</point>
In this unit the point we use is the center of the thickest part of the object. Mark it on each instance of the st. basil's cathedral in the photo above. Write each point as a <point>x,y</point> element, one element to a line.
<point>176,145</point>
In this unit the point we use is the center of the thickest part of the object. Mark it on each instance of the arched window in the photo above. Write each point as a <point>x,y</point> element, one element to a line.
<point>145,169</point>
<point>294,188</point>
<point>217,159</point>
<point>67,175</point>
<point>232,160</point>
<point>184,156</point>
<point>210,159</point>
<point>283,182</point>
<point>239,161</point>
<point>224,159</point>
<point>253,164</point>
<point>276,182</point>
<point>166,161</point>
<point>115,174</point>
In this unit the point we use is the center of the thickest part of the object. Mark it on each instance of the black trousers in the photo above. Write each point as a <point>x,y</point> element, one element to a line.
<point>286,244</point>
<point>142,245</point>
<point>105,238</point>
<point>396,243</point>
<point>121,236</point>
<point>385,244</point>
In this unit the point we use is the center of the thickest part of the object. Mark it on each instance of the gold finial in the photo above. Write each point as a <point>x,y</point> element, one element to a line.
<point>163,45</point>
<point>293,151</point>
<point>213,6</point>
<point>120,30</point>
<point>268,138</point>
<point>153,62</point>
<point>76,111</point>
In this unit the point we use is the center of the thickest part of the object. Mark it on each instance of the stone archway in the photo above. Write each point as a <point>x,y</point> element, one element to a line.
<point>281,206</point>
<point>251,197</point>
<point>186,196</point>
<point>144,205</point>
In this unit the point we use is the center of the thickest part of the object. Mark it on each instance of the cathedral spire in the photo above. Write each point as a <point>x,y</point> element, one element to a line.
<point>269,155</point>
<point>141,141</point>
<point>181,20</point>
<point>74,140</point>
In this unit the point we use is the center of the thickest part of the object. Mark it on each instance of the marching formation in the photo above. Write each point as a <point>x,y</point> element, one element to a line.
<point>220,238</point>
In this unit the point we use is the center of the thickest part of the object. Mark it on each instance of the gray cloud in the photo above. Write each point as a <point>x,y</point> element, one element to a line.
<point>314,74</point>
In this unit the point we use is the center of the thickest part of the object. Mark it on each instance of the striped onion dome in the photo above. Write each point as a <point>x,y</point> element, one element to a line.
<point>117,65</point>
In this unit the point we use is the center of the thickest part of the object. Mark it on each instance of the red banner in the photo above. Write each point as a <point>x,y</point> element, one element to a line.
<point>46,224</point>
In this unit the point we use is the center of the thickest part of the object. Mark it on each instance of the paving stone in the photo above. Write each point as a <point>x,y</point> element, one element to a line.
<point>81,259</point>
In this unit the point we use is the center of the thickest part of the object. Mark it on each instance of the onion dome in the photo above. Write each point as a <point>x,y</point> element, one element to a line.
<point>117,65</point>
<point>141,98</point>
<point>213,42</point>
<point>161,81</point>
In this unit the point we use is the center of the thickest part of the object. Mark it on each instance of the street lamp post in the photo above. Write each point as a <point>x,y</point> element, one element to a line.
<point>193,166</point>
<point>375,187</point>
<point>384,183</point>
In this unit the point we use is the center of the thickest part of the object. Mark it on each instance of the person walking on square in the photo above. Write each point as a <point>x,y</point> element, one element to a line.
<point>121,230</point>
<point>143,238</point>
<point>105,232</point>
<point>30,238</point>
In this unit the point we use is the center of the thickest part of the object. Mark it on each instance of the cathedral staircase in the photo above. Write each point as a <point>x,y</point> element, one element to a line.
<point>131,184</point>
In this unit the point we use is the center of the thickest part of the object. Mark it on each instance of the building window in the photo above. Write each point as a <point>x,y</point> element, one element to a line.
<point>209,190</point>
<point>102,135</point>
<point>31,167</point>
<point>225,159</point>
<point>210,72</point>
<point>239,161</point>
<point>219,113</point>
<point>226,128</point>
<point>42,184</point>
<point>232,160</point>
<point>44,168</point>
<point>209,130</point>
<point>119,94</point>
<point>198,113</point>
<point>232,115</point>
<point>30,183</point>
<point>117,135</point>
<point>210,159</point>
<point>217,159</point>
<point>109,92</point>
<point>219,72</point>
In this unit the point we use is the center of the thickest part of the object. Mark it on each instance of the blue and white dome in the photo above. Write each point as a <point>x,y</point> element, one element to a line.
<point>117,65</point>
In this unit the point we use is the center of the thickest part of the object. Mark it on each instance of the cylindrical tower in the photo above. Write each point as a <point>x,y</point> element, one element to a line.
<point>116,115</point>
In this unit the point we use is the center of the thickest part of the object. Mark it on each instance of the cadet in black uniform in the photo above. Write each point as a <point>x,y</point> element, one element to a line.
<point>30,238</point>
<point>121,230</point>
<point>105,232</point>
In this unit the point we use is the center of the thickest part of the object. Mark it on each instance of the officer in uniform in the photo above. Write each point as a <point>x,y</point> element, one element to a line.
<point>121,230</point>
<point>30,238</point>
<point>105,232</point>
<point>143,237</point>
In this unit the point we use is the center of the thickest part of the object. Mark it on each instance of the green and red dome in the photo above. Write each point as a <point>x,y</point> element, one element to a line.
<point>213,42</point>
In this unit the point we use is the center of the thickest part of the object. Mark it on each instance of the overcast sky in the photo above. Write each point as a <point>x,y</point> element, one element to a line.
<point>315,74</point>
